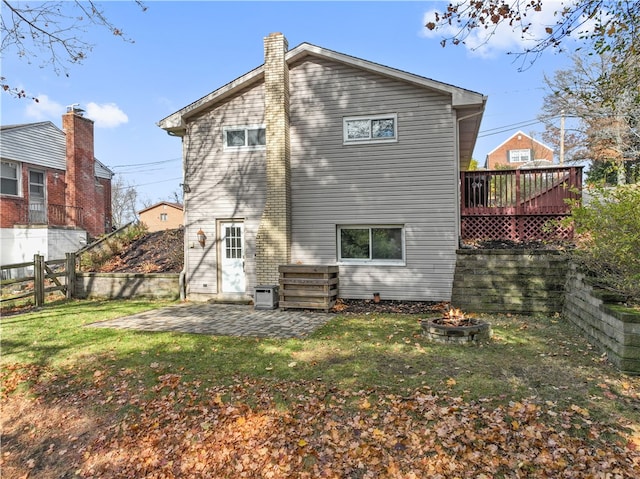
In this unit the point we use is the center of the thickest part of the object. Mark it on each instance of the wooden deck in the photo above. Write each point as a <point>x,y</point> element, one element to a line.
<point>518,205</point>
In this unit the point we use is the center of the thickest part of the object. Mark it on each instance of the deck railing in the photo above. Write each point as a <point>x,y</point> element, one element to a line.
<point>518,205</point>
<point>54,215</point>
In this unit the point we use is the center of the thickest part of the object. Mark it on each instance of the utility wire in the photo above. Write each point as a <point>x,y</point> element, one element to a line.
<point>160,162</point>
<point>154,182</point>
<point>502,129</point>
<point>136,172</point>
<point>507,128</point>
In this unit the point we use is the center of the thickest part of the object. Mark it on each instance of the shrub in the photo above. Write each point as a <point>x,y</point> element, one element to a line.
<point>111,246</point>
<point>608,238</point>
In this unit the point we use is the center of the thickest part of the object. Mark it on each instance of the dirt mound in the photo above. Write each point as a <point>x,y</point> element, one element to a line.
<point>366,306</point>
<point>156,252</point>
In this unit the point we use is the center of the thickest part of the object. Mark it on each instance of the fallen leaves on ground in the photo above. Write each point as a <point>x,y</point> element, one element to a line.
<point>275,429</point>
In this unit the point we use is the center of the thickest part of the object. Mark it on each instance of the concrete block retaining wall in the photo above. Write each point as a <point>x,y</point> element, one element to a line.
<point>127,285</point>
<point>546,282</point>
<point>509,281</point>
<point>613,329</point>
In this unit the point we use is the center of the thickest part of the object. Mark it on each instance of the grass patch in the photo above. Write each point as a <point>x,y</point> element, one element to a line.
<point>364,393</point>
<point>537,357</point>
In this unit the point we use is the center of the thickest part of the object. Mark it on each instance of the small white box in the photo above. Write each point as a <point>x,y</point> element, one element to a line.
<point>265,297</point>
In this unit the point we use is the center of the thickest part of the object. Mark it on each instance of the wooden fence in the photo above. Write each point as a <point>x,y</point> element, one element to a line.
<point>44,277</point>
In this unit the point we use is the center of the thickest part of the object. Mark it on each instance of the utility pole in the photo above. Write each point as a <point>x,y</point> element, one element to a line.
<point>561,137</point>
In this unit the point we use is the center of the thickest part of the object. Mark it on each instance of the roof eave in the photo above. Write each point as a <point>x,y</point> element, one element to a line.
<point>469,119</point>
<point>460,96</point>
<point>176,122</point>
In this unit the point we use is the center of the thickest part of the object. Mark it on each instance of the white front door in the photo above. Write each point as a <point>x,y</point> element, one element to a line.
<point>232,261</point>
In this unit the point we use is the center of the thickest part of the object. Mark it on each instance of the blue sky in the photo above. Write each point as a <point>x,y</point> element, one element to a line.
<point>184,50</point>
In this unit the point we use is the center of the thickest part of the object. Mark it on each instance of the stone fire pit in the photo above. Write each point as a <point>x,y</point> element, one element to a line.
<point>454,327</point>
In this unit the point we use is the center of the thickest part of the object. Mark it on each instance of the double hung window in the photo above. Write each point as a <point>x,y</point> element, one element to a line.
<point>519,156</point>
<point>9,176</point>
<point>371,244</point>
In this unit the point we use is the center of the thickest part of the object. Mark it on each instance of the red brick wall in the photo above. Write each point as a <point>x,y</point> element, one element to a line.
<point>82,199</point>
<point>500,157</point>
<point>14,210</point>
<point>106,201</point>
<point>83,188</point>
<point>56,187</point>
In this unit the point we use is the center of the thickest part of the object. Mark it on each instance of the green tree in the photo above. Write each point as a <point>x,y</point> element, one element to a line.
<point>604,118</point>
<point>608,228</point>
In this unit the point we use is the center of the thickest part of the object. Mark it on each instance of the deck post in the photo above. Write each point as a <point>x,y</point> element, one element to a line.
<point>38,282</point>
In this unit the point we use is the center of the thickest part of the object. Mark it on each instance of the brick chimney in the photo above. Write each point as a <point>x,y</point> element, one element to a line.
<point>80,177</point>
<point>273,241</point>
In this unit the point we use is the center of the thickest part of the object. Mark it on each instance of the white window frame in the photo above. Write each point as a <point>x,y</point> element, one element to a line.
<point>370,140</point>
<point>164,217</point>
<point>43,184</point>
<point>519,154</point>
<point>18,178</point>
<point>371,261</point>
<point>244,147</point>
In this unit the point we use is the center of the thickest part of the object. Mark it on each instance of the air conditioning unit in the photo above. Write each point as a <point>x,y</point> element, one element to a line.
<point>265,297</point>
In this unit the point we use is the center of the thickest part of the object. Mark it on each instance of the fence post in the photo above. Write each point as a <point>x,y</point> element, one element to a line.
<point>38,282</point>
<point>70,269</point>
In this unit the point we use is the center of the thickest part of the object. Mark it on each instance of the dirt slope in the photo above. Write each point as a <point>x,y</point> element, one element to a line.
<point>157,252</point>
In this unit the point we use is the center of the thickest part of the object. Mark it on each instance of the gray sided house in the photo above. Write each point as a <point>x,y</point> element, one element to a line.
<point>320,158</point>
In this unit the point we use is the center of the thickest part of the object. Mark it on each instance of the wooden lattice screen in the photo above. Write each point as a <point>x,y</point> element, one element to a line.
<point>518,205</point>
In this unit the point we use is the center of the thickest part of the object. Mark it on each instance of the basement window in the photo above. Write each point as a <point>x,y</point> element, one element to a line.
<point>244,137</point>
<point>364,244</point>
<point>370,129</point>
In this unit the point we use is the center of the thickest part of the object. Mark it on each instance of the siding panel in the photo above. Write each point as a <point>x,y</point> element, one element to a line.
<point>224,185</point>
<point>41,144</point>
<point>410,182</point>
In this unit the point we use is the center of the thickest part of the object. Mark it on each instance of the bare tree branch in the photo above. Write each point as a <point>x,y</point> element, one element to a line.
<point>603,26</point>
<point>52,33</point>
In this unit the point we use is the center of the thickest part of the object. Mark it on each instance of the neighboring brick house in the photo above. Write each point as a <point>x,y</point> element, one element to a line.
<point>321,158</point>
<point>518,151</point>
<point>162,216</point>
<point>54,195</point>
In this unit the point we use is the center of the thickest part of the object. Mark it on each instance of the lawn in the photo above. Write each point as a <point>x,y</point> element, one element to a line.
<point>364,396</point>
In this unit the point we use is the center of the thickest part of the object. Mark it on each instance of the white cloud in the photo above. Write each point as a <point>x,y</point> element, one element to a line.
<point>107,115</point>
<point>495,40</point>
<point>44,109</point>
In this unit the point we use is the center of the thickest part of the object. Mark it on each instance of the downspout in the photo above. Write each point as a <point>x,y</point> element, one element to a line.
<point>458,120</point>
<point>182,284</point>
<point>182,278</point>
